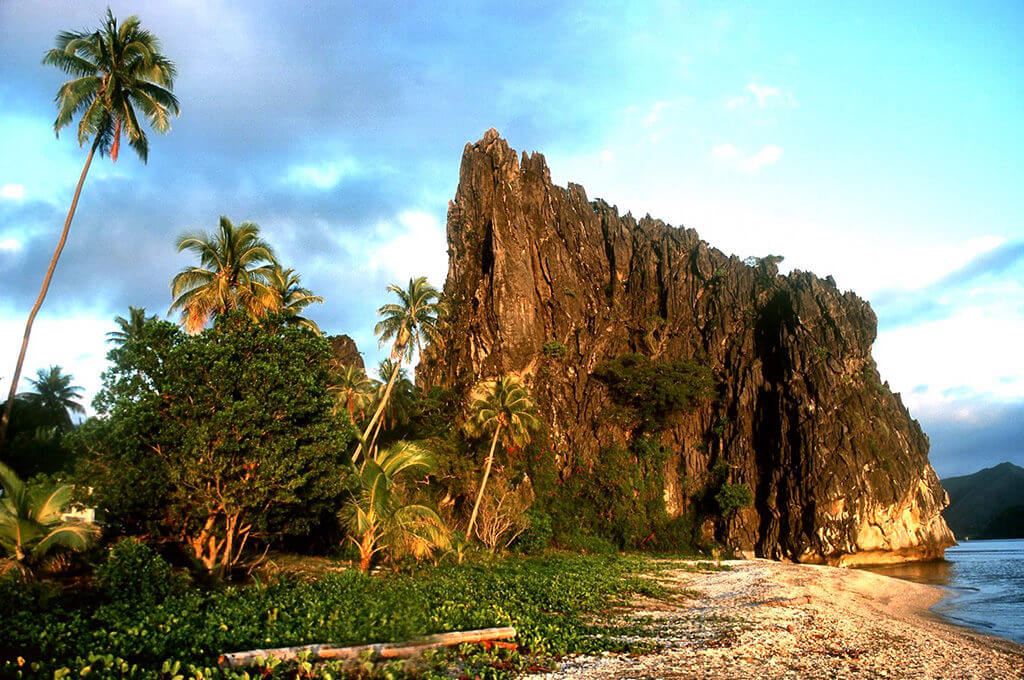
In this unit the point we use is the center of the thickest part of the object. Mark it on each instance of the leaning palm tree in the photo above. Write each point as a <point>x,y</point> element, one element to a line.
<point>129,328</point>
<point>32,522</point>
<point>400,404</point>
<point>378,516</point>
<point>234,272</point>
<point>504,407</point>
<point>414,316</point>
<point>293,298</point>
<point>117,71</point>
<point>353,391</point>
<point>56,396</point>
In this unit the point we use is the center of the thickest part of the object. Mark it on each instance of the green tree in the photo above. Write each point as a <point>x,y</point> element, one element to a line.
<point>56,396</point>
<point>354,391</point>
<point>404,323</point>
<point>130,327</point>
<point>293,297</point>
<point>380,516</point>
<point>235,424</point>
<point>32,523</point>
<point>502,407</point>
<point>116,69</point>
<point>235,271</point>
<point>653,392</point>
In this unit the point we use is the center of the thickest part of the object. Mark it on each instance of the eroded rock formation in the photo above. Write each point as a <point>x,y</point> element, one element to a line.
<point>838,468</point>
<point>345,351</point>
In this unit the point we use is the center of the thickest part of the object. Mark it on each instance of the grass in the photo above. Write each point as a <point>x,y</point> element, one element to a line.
<point>555,603</point>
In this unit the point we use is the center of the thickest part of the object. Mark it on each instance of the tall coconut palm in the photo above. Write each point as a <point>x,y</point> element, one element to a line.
<point>56,396</point>
<point>504,407</point>
<point>32,522</point>
<point>353,391</point>
<point>399,406</point>
<point>234,272</point>
<point>414,316</point>
<point>293,297</point>
<point>131,327</point>
<point>379,518</point>
<point>117,71</point>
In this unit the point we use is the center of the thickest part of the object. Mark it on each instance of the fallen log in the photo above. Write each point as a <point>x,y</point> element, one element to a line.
<point>375,652</point>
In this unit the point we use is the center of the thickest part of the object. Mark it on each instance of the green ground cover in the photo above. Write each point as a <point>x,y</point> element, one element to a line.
<point>172,633</point>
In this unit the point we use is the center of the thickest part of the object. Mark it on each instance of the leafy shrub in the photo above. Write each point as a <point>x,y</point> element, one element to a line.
<point>135,572</point>
<point>553,349</point>
<point>539,530</point>
<point>732,498</point>
<point>588,543</point>
<point>652,392</point>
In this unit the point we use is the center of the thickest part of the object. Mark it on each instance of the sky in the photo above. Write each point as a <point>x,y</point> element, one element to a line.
<point>880,143</point>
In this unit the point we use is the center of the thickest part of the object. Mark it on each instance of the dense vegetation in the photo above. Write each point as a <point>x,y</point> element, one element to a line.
<point>140,622</point>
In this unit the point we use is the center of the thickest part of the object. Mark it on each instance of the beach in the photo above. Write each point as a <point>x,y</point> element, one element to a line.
<point>764,619</point>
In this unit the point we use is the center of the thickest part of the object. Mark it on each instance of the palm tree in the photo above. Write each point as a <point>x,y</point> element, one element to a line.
<point>115,70</point>
<point>131,327</point>
<point>378,517</point>
<point>399,405</point>
<point>353,391</point>
<point>55,396</point>
<point>416,315</point>
<point>32,521</point>
<point>234,272</point>
<point>293,297</point>
<point>505,407</point>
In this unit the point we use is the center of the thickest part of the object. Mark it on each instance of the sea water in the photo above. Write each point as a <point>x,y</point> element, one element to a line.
<point>984,581</point>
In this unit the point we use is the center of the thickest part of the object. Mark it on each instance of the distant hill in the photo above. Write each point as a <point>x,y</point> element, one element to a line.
<point>987,504</point>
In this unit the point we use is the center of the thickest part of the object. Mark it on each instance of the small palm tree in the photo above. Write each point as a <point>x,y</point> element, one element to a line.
<point>504,407</point>
<point>131,327</point>
<point>293,297</point>
<point>415,316</point>
<point>32,522</point>
<point>378,517</point>
<point>117,71</point>
<point>234,272</point>
<point>353,391</point>
<point>55,395</point>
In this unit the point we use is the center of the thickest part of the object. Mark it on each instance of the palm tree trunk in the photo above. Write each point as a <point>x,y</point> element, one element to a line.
<point>379,411</point>
<point>42,294</point>
<point>483,482</point>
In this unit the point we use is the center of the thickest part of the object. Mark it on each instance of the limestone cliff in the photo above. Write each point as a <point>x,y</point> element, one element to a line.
<point>838,467</point>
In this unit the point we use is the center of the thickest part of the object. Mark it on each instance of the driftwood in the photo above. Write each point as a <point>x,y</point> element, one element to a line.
<point>378,651</point>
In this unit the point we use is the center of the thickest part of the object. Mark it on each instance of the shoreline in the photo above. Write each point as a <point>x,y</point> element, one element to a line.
<point>764,619</point>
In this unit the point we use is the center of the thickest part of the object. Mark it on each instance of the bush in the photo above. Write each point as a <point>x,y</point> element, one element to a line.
<point>553,349</point>
<point>732,498</point>
<point>587,543</point>
<point>137,573</point>
<point>653,392</point>
<point>539,531</point>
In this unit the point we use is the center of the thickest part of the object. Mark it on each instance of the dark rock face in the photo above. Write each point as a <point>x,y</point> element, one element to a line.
<point>838,467</point>
<point>345,351</point>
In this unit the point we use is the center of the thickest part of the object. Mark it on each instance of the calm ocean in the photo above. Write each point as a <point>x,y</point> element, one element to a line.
<point>985,580</point>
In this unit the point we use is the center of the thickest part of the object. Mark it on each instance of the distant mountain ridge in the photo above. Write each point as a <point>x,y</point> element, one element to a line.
<point>987,504</point>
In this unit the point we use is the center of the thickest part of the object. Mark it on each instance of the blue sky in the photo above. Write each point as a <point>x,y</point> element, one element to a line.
<point>881,144</point>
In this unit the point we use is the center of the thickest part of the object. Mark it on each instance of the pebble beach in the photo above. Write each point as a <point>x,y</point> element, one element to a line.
<point>763,619</point>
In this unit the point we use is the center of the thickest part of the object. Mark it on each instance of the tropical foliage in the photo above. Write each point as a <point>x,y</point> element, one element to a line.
<point>128,328</point>
<point>292,298</point>
<point>380,516</point>
<point>32,523</point>
<point>236,271</point>
<point>55,396</point>
<point>353,391</point>
<point>406,323</point>
<point>233,430</point>
<point>117,71</point>
<point>503,407</point>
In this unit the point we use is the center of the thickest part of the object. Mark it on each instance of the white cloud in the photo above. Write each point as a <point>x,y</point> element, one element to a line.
<point>13,192</point>
<point>607,156</point>
<point>415,246</point>
<point>322,176</point>
<point>731,157</point>
<point>10,245</point>
<point>760,95</point>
